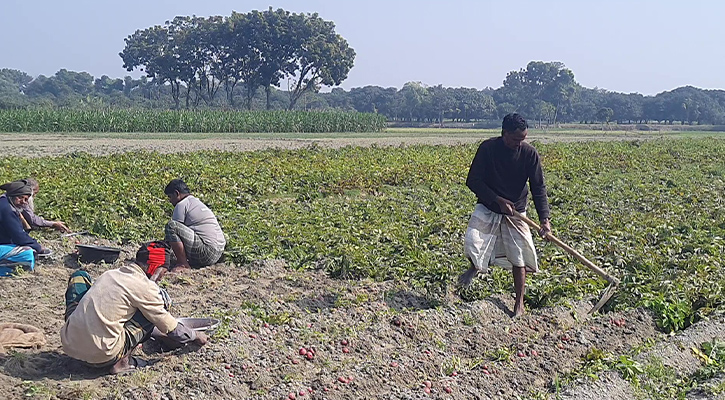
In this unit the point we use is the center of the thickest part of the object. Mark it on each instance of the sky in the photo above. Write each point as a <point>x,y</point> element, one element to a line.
<point>643,46</point>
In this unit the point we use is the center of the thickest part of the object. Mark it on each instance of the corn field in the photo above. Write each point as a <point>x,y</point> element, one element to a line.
<point>62,120</point>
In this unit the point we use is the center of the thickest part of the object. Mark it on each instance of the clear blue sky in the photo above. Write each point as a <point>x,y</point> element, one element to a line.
<point>642,46</point>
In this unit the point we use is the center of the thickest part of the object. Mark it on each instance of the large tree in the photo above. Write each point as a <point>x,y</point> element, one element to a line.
<point>320,56</point>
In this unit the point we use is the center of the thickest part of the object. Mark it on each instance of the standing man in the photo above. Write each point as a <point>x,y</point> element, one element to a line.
<point>193,232</point>
<point>498,176</point>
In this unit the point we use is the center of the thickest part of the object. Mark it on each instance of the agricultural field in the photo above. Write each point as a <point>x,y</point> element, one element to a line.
<point>179,121</point>
<point>353,251</point>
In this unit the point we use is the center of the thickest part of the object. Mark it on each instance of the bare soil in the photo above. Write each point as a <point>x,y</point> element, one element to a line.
<point>38,145</point>
<point>397,339</point>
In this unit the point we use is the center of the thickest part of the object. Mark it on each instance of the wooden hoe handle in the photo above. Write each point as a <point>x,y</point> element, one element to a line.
<point>569,250</point>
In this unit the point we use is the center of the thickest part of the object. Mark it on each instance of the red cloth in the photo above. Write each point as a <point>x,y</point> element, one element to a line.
<point>157,258</point>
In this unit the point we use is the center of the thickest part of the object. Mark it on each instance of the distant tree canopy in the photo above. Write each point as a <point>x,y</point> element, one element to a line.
<point>546,93</point>
<point>197,56</point>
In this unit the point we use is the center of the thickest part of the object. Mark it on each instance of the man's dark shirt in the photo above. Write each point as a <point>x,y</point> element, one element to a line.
<point>11,229</point>
<point>500,171</point>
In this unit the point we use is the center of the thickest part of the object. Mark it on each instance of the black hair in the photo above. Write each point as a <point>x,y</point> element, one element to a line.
<point>513,123</point>
<point>176,185</point>
<point>142,255</point>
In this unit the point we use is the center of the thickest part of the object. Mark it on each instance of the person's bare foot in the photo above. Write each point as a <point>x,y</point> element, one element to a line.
<point>127,364</point>
<point>518,311</point>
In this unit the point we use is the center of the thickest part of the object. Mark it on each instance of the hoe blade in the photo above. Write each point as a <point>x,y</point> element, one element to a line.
<point>608,293</point>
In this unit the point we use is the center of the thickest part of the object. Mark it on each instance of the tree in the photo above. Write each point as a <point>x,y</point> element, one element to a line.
<point>153,51</point>
<point>320,56</point>
<point>605,115</point>
<point>413,94</point>
<point>273,36</point>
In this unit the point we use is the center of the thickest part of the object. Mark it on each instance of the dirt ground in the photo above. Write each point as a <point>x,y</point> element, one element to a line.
<point>371,339</point>
<point>37,145</point>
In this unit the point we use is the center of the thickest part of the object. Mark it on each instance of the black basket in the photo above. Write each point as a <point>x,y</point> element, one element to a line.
<point>95,254</point>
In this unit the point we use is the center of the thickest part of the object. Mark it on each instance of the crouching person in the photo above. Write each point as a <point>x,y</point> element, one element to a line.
<point>106,320</point>
<point>193,232</point>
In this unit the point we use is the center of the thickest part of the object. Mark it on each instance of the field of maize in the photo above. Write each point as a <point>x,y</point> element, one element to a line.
<point>153,121</point>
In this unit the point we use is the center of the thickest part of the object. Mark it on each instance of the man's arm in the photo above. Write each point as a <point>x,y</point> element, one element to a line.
<point>151,304</point>
<point>179,212</point>
<point>146,297</point>
<point>538,193</point>
<point>18,234</point>
<point>35,220</point>
<point>475,180</point>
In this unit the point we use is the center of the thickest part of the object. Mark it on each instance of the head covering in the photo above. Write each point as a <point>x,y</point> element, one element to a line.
<point>17,188</point>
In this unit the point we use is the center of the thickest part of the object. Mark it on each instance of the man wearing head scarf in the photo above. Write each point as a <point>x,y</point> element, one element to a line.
<point>17,248</point>
<point>107,319</point>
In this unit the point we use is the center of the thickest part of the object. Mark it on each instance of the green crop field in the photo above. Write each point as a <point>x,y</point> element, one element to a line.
<point>649,212</point>
<point>152,121</point>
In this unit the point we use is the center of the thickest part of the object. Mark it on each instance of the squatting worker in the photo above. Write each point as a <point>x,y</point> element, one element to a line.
<point>17,248</point>
<point>106,320</point>
<point>193,232</point>
<point>498,176</point>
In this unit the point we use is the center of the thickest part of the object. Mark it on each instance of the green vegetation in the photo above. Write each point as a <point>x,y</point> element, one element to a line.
<point>151,121</point>
<point>648,212</point>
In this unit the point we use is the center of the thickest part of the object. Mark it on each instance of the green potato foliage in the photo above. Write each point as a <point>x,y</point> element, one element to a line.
<point>651,213</point>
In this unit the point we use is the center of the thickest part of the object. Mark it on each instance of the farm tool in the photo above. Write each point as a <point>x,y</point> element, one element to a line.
<point>613,282</point>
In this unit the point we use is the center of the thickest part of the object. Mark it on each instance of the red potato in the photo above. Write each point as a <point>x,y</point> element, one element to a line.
<point>310,356</point>
<point>341,379</point>
<point>521,354</point>
<point>291,396</point>
<point>227,367</point>
<point>428,384</point>
<point>448,389</point>
<point>534,353</point>
<point>394,364</point>
<point>303,351</point>
<point>344,342</point>
<point>486,372</point>
<point>231,375</point>
<point>427,390</point>
<point>302,393</point>
<point>295,361</point>
<point>345,350</point>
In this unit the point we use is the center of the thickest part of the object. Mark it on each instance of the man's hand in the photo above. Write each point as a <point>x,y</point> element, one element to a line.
<point>60,226</point>
<point>545,228</point>
<point>201,338</point>
<point>159,274</point>
<point>507,207</point>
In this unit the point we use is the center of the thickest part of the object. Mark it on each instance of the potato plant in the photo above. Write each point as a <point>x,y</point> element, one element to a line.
<point>650,212</point>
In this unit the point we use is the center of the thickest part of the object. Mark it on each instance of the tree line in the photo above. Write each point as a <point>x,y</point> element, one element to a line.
<point>197,56</point>
<point>275,59</point>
